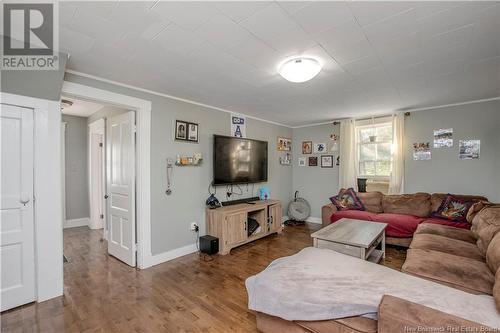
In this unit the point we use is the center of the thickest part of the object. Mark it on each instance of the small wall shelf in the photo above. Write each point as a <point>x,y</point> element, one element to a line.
<point>194,160</point>
<point>189,164</point>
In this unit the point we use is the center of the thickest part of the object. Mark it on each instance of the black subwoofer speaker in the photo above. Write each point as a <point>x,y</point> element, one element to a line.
<point>209,244</point>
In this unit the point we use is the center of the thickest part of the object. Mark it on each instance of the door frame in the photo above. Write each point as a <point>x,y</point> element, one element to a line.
<point>97,127</point>
<point>47,192</point>
<point>63,168</point>
<point>143,158</point>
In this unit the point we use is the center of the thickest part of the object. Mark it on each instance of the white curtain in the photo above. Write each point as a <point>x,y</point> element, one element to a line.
<point>348,168</point>
<point>398,160</point>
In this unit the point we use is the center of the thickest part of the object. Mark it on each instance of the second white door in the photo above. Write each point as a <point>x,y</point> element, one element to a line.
<point>17,255</point>
<point>120,177</point>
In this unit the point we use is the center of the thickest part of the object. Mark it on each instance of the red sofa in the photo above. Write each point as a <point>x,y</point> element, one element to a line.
<point>403,213</point>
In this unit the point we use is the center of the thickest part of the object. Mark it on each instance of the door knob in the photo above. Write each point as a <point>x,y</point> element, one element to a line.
<point>106,196</point>
<point>25,198</point>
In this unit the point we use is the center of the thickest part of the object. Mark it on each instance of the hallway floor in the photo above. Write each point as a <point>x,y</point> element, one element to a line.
<point>189,294</point>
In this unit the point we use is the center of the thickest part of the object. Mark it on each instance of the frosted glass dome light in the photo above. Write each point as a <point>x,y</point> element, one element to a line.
<point>300,69</point>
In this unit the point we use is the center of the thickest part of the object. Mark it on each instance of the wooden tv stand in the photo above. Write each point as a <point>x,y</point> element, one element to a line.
<point>229,223</point>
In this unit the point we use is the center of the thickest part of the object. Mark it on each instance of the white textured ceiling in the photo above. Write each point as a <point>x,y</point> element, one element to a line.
<point>80,108</point>
<point>377,56</point>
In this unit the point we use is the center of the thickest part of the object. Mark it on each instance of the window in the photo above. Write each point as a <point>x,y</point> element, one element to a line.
<point>374,143</point>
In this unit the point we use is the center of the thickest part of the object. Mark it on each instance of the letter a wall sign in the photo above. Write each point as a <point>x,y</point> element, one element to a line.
<point>238,126</point>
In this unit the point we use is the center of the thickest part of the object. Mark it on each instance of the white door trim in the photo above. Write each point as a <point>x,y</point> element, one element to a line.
<point>143,118</point>
<point>47,193</point>
<point>63,168</point>
<point>97,127</point>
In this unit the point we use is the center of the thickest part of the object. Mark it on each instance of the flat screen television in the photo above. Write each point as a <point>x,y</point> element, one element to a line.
<point>239,161</point>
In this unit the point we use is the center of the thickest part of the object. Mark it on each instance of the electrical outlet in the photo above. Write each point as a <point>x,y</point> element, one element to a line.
<point>194,226</point>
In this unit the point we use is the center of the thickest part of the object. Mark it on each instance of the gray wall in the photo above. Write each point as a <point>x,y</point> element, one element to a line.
<point>315,184</point>
<point>172,215</point>
<point>77,192</point>
<point>445,172</point>
<point>38,84</point>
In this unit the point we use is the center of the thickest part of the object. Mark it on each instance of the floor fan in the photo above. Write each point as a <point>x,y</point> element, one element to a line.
<point>298,211</point>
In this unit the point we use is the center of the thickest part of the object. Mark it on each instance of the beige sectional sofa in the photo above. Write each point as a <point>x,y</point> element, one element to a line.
<point>464,259</point>
<point>395,316</point>
<point>402,213</point>
<point>468,260</point>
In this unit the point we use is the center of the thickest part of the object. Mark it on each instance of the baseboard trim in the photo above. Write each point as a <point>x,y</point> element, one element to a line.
<point>73,223</point>
<point>172,254</point>
<point>312,219</point>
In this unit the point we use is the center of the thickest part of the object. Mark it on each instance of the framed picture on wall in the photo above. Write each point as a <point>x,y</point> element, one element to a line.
<point>327,161</point>
<point>192,132</point>
<point>186,131</point>
<point>313,161</point>
<point>302,161</point>
<point>469,149</point>
<point>307,147</point>
<point>319,148</point>
<point>284,144</point>
<point>286,159</point>
<point>421,151</point>
<point>180,130</point>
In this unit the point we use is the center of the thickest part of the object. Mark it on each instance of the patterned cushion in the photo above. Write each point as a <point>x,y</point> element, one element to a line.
<point>453,209</point>
<point>437,199</point>
<point>347,200</point>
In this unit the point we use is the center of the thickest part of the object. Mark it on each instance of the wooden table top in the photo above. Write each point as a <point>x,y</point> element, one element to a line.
<point>255,205</point>
<point>351,232</point>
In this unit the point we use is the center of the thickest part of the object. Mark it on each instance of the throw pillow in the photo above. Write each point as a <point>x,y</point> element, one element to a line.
<point>347,200</point>
<point>453,209</point>
<point>476,208</point>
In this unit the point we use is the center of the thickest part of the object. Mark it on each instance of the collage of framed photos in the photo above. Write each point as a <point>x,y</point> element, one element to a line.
<point>309,147</point>
<point>443,138</point>
<point>285,145</point>
<point>186,131</point>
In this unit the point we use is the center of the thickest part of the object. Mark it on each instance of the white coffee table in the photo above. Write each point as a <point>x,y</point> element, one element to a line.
<point>356,238</point>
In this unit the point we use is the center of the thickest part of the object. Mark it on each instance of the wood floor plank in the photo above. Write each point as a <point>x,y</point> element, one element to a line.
<point>192,294</point>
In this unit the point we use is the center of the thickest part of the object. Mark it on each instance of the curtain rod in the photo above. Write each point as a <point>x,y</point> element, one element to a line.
<point>337,122</point>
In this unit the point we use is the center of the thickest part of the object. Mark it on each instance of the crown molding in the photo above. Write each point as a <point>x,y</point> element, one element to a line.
<point>405,110</point>
<point>452,104</point>
<point>152,92</point>
<point>316,124</point>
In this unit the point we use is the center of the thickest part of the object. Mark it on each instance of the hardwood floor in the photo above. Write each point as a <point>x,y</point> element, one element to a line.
<point>189,294</point>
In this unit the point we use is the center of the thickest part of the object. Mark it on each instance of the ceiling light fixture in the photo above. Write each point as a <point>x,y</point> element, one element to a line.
<point>299,69</point>
<point>66,103</point>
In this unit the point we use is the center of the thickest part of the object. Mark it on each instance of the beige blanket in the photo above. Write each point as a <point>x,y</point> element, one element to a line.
<point>318,284</point>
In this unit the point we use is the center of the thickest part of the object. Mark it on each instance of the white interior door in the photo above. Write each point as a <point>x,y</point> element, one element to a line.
<point>16,207</point>
<point>120,167</point>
